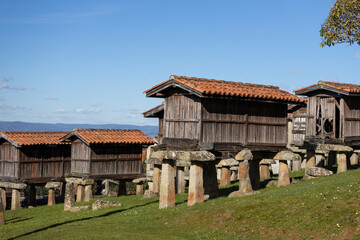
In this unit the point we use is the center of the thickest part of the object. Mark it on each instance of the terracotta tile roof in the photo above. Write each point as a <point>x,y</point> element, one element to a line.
<point>236,89</point>
<point>347,87</point>
<point>96,136</point>
<point>33,138</point>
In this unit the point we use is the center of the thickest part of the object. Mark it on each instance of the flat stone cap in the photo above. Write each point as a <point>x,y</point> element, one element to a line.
<point>244,155</point>
<point>234,168</point>
<point>286,156</point>
<point>13,185</point>
<point>267,161</point>
<point>201,156</point>
<point>182,163</point>
<point>53,185</point>
<point>229,162</point>
<point>328,147</point>
<point>155,161</point>
<point>139,180</point>
<point>80,181</point>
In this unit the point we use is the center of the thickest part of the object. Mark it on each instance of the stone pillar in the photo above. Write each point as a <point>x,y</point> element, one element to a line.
<point>284,177</point>
<point>234,173</point>
<point>354,159</point>
<point>264,171</point>
<point>139,189</point>
<point>342,162</point>
<point>3,197</point>
<point>151,186</point>
<point>331,158</point>
<point>51,197</point>
<point>211,187</point>
<point>180,179</point>
<point>88,196</point>
<point>218,172</point>
<point>254,172</point>
<point>310,159</point>
<point>225,176</point>
<point>157,177</point>
<point>69,196</point>
<point>167,184</point>
<point>244,178</point>
<point>2,219</point>
<point>15,199</point>
<point>296,165</point>
<point>32,196</point>
<point>196,189</point>
<point>320,160</point>
<point>80,194</point>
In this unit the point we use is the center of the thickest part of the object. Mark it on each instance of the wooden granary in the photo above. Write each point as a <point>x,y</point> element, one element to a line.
<point>33,157</point>
<point>224,116</point>
<point>107,153</point>
<point>333,113</point>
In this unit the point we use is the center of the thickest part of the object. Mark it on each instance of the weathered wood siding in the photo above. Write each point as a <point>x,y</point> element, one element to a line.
<point>352,117</point>
<point>9,161</point>
<point>244,122</point>
<point>80,157</point>
<point>299,126</point>
<point>116,160</point>
<point>44,162</point>
<point>311,116</point>
<point>182,116</point>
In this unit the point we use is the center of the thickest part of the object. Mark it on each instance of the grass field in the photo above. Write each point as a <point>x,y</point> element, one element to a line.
<point>323,208</point>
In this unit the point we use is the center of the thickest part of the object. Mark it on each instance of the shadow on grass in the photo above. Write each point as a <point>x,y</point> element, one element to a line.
<point>224,192</point>
<point>81,219</point>
<point>16,220</point>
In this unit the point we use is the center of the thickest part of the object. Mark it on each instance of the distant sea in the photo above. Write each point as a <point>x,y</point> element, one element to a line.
<point>43,127</point>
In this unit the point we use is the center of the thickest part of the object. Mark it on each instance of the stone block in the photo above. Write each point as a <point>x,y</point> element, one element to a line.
<point>99,204</point>
<point>167,185</point>
<point>196,188</point>
<point>230,162</point>
<point>150,194</point>
<point>20,186</point>
<point>244,155</point>
<point>284,175</point>
<point>53,185</point>
<point>15,199</point>
<point>318,172</point>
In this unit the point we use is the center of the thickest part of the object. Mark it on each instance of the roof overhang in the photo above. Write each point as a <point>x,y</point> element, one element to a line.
<point>172,83</point>
<point>320,87</point>
<point>71,135</point>
<point>2,136</point>
<point>155,112</point>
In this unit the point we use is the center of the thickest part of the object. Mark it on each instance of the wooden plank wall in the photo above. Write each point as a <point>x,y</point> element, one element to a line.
<point>182,116</point>
<point>352,117</point>
<point>245,122</point>
<point>80,157</point>
<point>116,159</point>
<point>311,116</point>
<point>40,162</point>
<point>299,126</point>
<point>9,156</point>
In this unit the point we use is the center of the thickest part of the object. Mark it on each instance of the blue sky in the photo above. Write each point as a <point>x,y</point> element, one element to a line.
<point>90,61</point>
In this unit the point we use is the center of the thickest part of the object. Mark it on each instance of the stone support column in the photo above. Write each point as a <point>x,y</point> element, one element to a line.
<point>354,159</point>
<point>296,165</point>
<point>15,199</point>
<point>234,173</point>
<point>88,195</point>
<point>157,177</point>
<point>320,160</point>
<point>310,159</point>
<point>139,189</point>
<point>2,219</point>
<point>32,196</point>
<point>69,196</point>
<point>51,197</point>
<point>167,184</point>
<point>225,176</point>
<point>196,189</point>
<point>264,171</point>
<point>211,187</point>
<point>180,179</point>
<point>3,197</point>
<point>284,176</point>
<point>80,193</point>
<point>342,162</point>
<point>244,177</point>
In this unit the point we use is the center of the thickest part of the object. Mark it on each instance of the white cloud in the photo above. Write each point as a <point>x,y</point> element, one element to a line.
<point>79,111</point>
<point>60,110</point>
<point>4,85</point>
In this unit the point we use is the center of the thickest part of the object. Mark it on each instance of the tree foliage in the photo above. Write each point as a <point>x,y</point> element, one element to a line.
<point>343,24</point>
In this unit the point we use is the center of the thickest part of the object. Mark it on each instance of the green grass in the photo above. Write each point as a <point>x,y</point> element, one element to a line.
<point>323,208</point>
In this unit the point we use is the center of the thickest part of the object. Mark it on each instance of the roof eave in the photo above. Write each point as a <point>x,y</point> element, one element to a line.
<point>153,112</point>
<point>172,83</point>
<point>10,141</point>
<point>73,134</point>
<point>306,91</point>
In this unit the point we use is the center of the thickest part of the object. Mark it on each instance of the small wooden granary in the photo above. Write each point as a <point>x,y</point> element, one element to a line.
<point>224,115</point>
<point>107,153</point>
<point>333,113</point>
<point>33,157</point>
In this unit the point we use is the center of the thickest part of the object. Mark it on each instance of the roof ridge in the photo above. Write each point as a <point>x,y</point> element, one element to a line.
<point>104,129</point>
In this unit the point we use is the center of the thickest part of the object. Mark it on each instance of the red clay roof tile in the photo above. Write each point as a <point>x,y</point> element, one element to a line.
<point>347,87</point>
<point>34,138</point>
<point>96,136</point>
<point>228,88</point>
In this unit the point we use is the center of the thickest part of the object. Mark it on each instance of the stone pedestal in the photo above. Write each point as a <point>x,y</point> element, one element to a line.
<point>234,173</point>
<point>139,189</point>
<point>196,190</point>
<point>52,186</point>
<point>15,199</point>
<point>296,165</point>
<point>2,219</point>
<point>157,177</point>
<point>180,179</point>
<point>88,196</point>
<point>218,172</point>
<point>32,196</point>
<point>264,171</point>
<point>342,162</point>
<point>51,197</point>
<point>151,186</point>
<point>284,176</point>
<point>80,193</point>
<point>354,159</point>
<point>69,196</point>
<point>211,187</point>
<point>225,176</point>
<point>310,159</point>
<point>167,184</point>
<point>3,197</point>
<point>244,178</point>
<point>254,173</point>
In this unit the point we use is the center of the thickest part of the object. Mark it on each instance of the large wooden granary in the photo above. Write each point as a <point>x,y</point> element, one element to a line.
<point>33,157</point>
<point>333,113</point>
<point>107,153</point>
<point>224,116</point>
